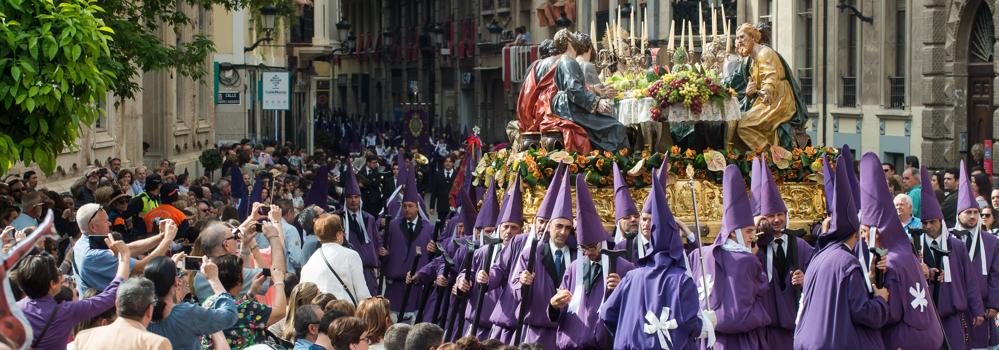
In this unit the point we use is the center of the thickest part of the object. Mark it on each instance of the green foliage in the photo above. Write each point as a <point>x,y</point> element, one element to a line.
<point>211,159</point>
<point>51,77</point>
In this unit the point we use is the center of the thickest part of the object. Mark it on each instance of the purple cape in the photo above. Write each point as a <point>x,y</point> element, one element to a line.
<point>582,329</point>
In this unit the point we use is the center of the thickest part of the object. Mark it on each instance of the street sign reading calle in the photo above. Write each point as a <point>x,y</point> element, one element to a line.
<point>228,98</point>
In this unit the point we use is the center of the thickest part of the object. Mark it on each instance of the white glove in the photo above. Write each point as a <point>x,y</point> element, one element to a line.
<point>708,321</point>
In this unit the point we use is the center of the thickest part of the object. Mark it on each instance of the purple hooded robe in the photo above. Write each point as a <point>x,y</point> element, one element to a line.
<point>658,289</point>
<point>837,311</point>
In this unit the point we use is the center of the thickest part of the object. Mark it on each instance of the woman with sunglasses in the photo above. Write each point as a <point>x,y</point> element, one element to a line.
<point>52,322</point>
<point>181,322</point>
<point>989,220</point>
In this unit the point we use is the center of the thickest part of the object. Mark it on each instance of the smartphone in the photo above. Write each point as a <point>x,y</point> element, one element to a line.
<point>264,210</point>
<point>97,242</point>
<point>192,263</point>
<point>266,272</point>
<point>259,227</point>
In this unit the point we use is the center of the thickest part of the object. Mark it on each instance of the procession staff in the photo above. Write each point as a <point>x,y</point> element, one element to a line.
<point>953,287</point>
<point>489,290</point>
<point>627,219</point>
<point>737,286</point>
<point>837,312</point>
<point>553,257</point>
<point>361,230</point>
<point>655,305</point>
<point>912,322</point>
<point>576,304</point>
<point>783,255</point>
<point>983,250</point>
<point>407,231</point>
<point>504,315</point>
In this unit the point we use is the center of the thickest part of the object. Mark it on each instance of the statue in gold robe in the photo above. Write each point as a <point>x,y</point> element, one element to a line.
<point>775,107</point>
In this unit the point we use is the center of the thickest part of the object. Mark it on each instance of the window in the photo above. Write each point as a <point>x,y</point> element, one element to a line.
<point>849,67</point>
<point>896,82</point>
<point>766,11</point>
<point>103,112</point>
<point>806,73</point>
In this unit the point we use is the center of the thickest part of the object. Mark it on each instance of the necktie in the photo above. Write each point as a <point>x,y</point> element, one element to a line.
<point>780,262</point>
<point>934,251</point>
<point>558,266</point>
<point>412,228</point>
<point>591,275</point>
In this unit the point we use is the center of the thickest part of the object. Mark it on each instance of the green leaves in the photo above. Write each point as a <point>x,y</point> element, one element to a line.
<point>45,96</point>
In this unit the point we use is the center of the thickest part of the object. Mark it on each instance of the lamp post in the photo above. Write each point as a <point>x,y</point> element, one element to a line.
<point>562,21</point>
<point>494,30</point>
<point>267,16</point>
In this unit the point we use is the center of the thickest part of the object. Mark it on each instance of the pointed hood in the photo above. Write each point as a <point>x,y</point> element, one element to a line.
<point>512,209</point>
<point>589,230</point>
<point>965,198</point>
<point>488,210</point>
<point>624,205</point>
<point>350,187</point>
<point>412,193</point>
<point>766,193</point>
<point>400,160</point>
<point>851,175</point>
<point>468,212</point>
<point>661,174</point>
<point>737,213</point>
<point>828,178</point>
<point>755,185</point>
<point>238,192</point>
<point>665,236</point>
<point>843,211</point>
<point>320,187</point>
<point>548,202</point>
<point>929,208</point>
<point>563,201</point>
<point>877,207</point>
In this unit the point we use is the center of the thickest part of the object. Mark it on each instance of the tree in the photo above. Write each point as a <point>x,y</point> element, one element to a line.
<point>52,75</point>
<point>61,57</point>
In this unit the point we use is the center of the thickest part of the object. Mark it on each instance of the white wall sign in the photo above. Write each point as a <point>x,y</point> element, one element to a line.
<point>276,91</point>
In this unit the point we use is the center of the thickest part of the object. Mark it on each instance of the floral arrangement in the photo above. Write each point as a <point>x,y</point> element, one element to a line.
<point>537,167</point>
<point>630,84</point>
<point>692,86</point>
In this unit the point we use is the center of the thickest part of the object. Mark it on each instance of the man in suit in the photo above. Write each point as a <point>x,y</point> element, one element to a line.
<point>949,204</point>
<point>441,187</point>
<point>371,179</point>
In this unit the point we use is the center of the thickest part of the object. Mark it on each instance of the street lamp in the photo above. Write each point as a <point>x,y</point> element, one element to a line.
<point>342,27</point>
<point>267,16</point>
<point>387,37</point>
<point>438,33</point>
<point>494,30</point>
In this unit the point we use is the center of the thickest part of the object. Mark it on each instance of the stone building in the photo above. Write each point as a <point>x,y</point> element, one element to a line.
<point>173,115</point>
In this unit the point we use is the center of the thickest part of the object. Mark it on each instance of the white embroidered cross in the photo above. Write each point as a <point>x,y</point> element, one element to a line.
<point>661,327</point>
<point>700,288</point>
<point>918,297</point>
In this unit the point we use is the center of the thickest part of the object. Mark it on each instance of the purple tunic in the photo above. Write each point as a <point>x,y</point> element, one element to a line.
<point>368,251</point>
<point>538,327</point>
<point>402,251</point>
<point>583,329</point>
<point>909,327</point>
<point>504,315</point>
<point>988,285</point>
<point>959,298</point>
<point>836,310</point>
<point>782,304</point>
<point>738,288</point>
<point>658,283</point>
<point>633,249</point>
<point>491,297</point>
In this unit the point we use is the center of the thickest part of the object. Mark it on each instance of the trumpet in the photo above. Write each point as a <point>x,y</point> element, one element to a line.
<point>420,159</point>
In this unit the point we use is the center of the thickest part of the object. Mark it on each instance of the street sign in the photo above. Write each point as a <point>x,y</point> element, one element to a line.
<point>228,98</point>
<point>276,88</point>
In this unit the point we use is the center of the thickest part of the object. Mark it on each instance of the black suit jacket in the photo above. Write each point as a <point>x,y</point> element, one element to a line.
<point>371,189</point>
<point>439,189</point>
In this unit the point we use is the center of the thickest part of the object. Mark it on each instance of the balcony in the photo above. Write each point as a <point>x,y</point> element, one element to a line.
<point>302,29</point>
<point>849,97</point>
<point>896,97</point>
<point>806,81</point>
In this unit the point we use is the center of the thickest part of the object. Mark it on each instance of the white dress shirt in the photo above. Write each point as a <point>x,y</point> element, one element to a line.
<point>347,264</point>
<point>772,252</point>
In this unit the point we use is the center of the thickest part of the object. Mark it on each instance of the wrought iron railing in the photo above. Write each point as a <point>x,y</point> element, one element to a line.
<point>896,97</point>
<point>849,98</point>
<point>805,81</point>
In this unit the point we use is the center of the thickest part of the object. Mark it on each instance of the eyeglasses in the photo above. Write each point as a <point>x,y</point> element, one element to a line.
<point>93,216</point>
<point>986,215</point>
<point>233,237</point>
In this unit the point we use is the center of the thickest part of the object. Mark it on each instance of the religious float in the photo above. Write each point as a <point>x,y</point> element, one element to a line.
<point>687,92</point>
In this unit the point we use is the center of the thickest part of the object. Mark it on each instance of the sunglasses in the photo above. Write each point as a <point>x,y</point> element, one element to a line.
<point>986,215</point>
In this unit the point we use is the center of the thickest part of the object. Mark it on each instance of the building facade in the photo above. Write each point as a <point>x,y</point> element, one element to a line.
<point>172,118</point>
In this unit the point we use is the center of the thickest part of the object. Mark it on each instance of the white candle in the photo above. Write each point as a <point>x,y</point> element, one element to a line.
<point>690,38</point>
<point>672,31</point>
<point>714,22</point>
<point>700,25</point>
<point>631,28</point>
<point>683,34</point>
<point>593,36</point>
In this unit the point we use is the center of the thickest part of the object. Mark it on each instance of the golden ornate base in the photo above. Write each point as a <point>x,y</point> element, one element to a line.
<point>805,203</point>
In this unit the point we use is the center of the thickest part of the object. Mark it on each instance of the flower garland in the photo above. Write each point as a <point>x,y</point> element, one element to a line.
<point>537,167</point>
<point>691,87</point>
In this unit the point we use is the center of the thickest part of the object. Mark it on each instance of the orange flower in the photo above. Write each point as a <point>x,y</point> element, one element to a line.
<point>608,154</point>
<point>796,164</point>
<point>690,153</point>
<point>549,172</point>
<point>573,168</point>
<point>532,168</point>
<point>733,156</point>
<point>542,152</point>
<point>674,150</point>
<point>594,153</point>
<point>537,174</point>
<point>581,160</point>
<point>600,164</point>
<point>797,152</point>
<point>646,155</point>
<point>810,151</point>
<point>623,152</point>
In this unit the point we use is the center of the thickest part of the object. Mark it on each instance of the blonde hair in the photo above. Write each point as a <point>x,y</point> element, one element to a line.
<point>374,312</point>
<point>302,294</point>
<point>327,227</point>
<point>751,31</point>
